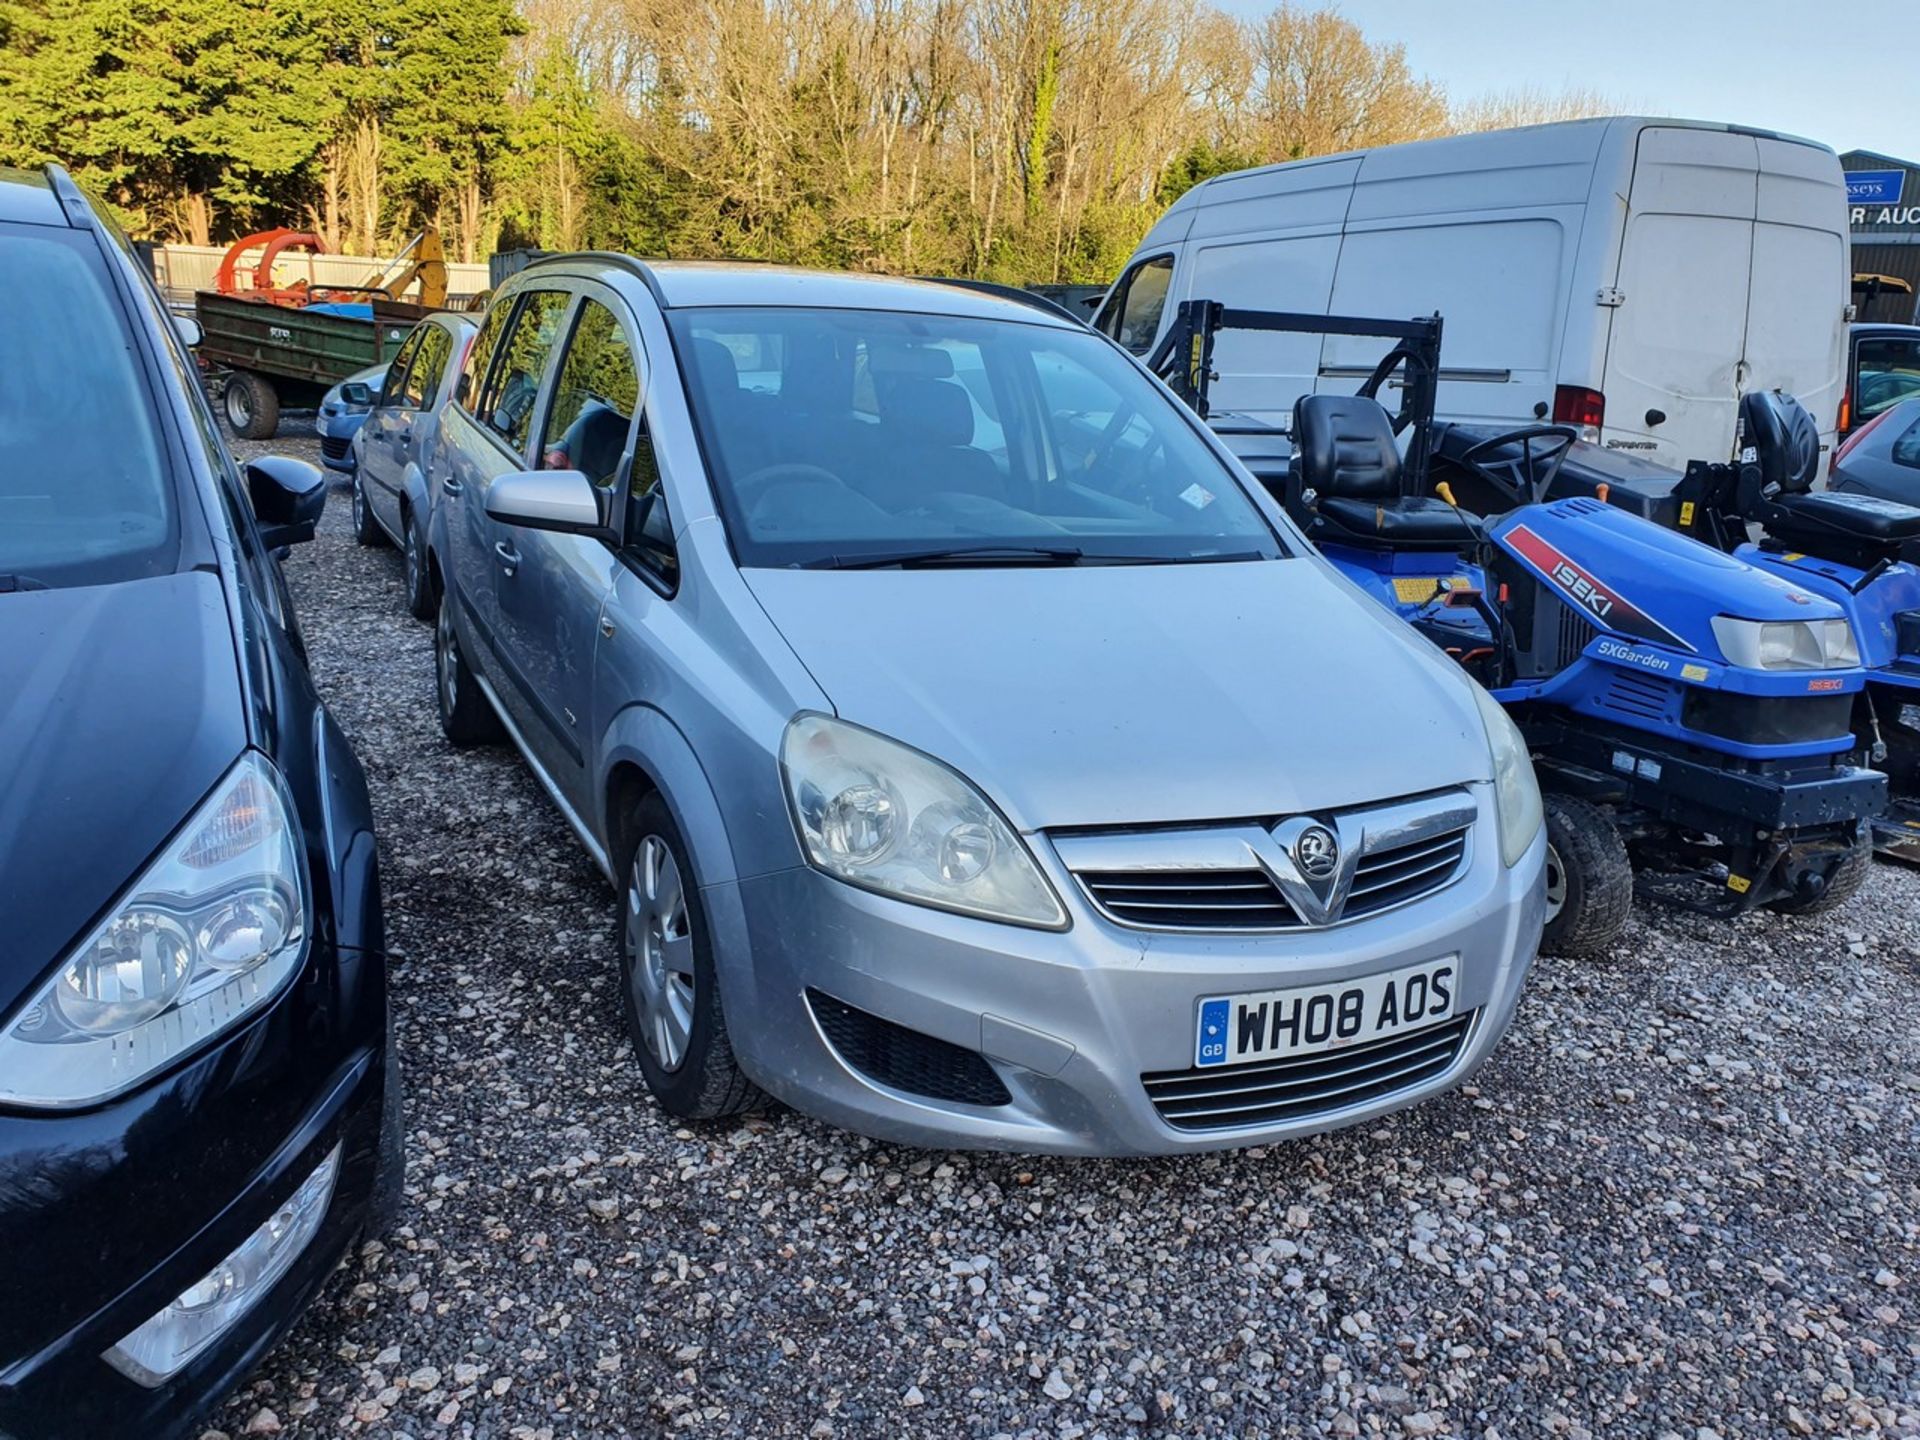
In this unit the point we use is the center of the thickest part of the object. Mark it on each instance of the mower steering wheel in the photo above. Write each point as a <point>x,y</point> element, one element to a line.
<point>1370,387</point>
<point>1541,471</point>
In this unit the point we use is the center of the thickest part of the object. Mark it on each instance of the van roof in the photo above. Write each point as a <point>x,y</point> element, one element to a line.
<point>1559,140</point>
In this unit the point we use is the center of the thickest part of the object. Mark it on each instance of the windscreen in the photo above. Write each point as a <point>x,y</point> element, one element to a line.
<point>84,494</point>
<point>838,438</point>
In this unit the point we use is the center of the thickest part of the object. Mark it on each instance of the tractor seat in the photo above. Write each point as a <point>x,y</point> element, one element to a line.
<point>1857,517</point>
<point>1343,446</point>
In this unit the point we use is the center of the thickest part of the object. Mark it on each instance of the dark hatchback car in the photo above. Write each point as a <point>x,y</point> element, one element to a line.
<point>198,1104</point>
<point>1882,457</point>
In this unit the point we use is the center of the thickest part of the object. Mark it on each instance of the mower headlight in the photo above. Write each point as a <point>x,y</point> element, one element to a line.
<point>212,929</point>
<point>1516,793</point>
<point>874,813</point>
<point>1786,644</point>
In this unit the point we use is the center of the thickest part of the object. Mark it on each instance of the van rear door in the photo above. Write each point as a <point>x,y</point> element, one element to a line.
<point>1733,277</point>
<point>1678,333</point>
<point>1801,286</point>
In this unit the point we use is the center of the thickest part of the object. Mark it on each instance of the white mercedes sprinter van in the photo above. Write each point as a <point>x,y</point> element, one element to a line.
<point>1630,276</point>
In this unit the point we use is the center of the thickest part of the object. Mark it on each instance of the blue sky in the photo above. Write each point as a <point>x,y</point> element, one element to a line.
<point>1846,72</point>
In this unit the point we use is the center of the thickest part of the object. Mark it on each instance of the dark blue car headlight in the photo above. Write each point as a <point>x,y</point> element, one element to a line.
<point>212,930</point>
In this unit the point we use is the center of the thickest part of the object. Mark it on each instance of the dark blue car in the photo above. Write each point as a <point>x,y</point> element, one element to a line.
<point>198,1102</point>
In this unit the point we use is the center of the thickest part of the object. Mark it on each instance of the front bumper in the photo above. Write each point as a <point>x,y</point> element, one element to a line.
<point>108,1214</point>
<point>336,434</point>
<point>1071,1021</point>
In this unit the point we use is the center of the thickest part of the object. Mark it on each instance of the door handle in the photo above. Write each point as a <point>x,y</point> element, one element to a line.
<point>450,486</point>
<point>509,557</point>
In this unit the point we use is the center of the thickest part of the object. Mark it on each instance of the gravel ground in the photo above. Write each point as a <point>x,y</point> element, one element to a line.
<point>1683,1199</point>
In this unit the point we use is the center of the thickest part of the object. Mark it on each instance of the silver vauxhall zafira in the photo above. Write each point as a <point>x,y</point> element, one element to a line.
<point>981,756</point>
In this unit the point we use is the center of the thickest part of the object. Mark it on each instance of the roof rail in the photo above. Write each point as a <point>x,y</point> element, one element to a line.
<point>1007,292</point>
<point>79,213</point>
<point>628,263</point>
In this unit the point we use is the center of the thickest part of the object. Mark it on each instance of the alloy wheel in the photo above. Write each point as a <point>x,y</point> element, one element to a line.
<point>659,944</point>
<point>445,664</point>
<point>1556,883</point>
<point>410,554</point>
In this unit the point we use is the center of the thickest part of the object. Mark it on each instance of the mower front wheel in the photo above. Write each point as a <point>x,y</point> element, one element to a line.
<point>1589,879</point>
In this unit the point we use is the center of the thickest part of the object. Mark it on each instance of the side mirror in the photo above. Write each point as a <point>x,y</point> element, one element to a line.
<point>288,496</point>
<point>559,500</point>
<point>189,330</point>
<point>358,394</point>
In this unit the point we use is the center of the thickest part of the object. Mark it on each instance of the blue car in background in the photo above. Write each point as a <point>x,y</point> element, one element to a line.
<point>342,412</point>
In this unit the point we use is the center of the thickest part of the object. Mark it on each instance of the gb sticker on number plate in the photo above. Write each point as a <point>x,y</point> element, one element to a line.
<point>1274,1024</point>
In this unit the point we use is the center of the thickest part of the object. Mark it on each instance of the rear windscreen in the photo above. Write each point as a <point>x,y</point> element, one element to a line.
<point>85,496</point>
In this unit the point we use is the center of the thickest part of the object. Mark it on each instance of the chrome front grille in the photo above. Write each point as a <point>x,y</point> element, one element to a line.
<point>1223,877</point>
<point>1191,900</point>
<point>1302,1087</point>
<point>1393,876</point>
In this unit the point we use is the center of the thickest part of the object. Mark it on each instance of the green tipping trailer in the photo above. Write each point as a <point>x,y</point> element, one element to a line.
<point>275,354</point>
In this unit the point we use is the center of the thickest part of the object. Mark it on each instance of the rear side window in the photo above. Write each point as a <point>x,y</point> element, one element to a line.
<point>593,400</point>
<point>429,364</point>
<point>506,408</point>
<point>393,390</point>
<point>85,495</point>
<point>1906,449</point>
<point>1132,313</point>
<point>474,373</point>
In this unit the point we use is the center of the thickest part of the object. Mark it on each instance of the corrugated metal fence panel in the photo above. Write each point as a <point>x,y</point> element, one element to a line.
<point>183,269</point>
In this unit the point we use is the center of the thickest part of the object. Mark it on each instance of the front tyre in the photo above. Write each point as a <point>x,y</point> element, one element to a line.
<point>390,1173</point>
<point>465,716</point>
<point>421,601</point>
<point>365,528</point>
<point>668,979</point>
<point>1589,879</point>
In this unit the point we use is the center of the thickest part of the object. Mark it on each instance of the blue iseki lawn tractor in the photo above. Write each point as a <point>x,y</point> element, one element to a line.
<point>1860,552</point>
<point>1688,712</point>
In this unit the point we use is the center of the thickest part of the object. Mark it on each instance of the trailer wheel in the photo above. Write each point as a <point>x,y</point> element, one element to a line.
<point>1589,879</point>
<point>251,404</point>
<point>1849,873</point>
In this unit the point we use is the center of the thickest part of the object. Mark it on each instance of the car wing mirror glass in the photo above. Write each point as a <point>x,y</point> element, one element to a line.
<point>563,501</point>
<point>357,392</point>
<point>288,496</point>
<point>189,330</point>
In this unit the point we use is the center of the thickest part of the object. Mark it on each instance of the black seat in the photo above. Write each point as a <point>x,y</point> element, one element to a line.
<point>1350,479</point>
<point>1781,458</point>
<point>1859,517</point>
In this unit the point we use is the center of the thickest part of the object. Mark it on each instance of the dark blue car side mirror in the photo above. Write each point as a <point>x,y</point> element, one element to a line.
<point>358,394</point>
<point>288,496</point>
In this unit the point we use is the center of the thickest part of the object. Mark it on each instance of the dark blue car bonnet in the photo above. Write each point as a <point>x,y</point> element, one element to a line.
<point>120,707</point>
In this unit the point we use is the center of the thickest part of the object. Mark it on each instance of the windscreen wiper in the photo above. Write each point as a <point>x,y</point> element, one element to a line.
<point>959,555</point>
<point>11,583</point>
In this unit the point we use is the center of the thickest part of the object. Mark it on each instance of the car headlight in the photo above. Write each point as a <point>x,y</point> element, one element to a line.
<point>876,814</point>
<point>1786,644</point>
<point>1516,792</point>
<point>208,933</point>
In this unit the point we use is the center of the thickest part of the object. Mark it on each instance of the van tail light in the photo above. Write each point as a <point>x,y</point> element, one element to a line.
<point>1845,446</point>
<point>1584,409</point>
<point>1846,410</point>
